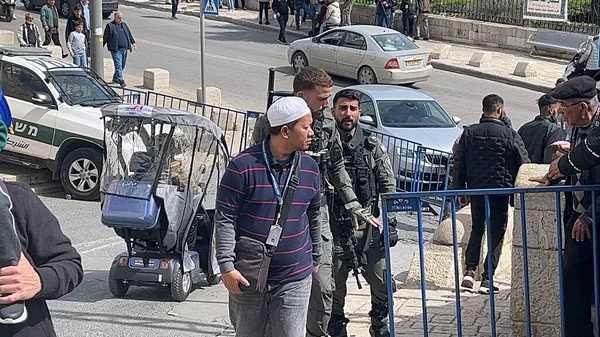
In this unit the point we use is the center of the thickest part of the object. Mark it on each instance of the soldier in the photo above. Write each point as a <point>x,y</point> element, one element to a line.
<point>360,247</point>
<point>314,86</point>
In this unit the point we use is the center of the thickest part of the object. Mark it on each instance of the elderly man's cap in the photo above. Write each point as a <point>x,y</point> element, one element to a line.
<point>546,100</point>
<point>583,87</point>
<point>286,110</point>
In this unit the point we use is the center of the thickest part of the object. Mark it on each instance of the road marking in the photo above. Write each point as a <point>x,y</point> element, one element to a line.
<point>197,52</point>
<point>93,243</point>
<point>117,241</point>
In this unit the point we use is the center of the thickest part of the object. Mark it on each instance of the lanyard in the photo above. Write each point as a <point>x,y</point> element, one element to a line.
<point>274,183</point>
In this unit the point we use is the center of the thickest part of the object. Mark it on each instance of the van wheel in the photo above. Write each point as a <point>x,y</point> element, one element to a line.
<point>106,15</point>
<point>117,287</point>
<point>65,8</point>
<point>181,285</point>
<point>28,5</point>
<point>80,173</point>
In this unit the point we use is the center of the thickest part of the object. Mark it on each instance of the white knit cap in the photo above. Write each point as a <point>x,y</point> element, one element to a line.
<point>286,110</point>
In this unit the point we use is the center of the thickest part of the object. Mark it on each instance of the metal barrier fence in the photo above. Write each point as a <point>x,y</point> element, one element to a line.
<point>412,202</point>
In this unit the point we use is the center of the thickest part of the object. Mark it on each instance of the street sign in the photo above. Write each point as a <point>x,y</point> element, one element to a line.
<point>407,205</point>
<point>211,7</point>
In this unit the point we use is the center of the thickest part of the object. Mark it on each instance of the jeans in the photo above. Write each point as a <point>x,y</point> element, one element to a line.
<point>300,5</point>
<point>282,19</point>
<point>174,5</point>
<point>263,9</point>
<point>498,219</point>
<point>119,58</point>
<point>314,10</point>
<point>80,59</point>
<point>383,19</point>
<point>282,307</point>
<point>321,295</point>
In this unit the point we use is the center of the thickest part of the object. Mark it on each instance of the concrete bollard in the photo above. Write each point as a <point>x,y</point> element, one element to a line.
<point>56,51</point>
<point>481,59</point>
<point>441,51</point>
<point>443,233</point>
<point>7,38</point>
<point>525,69</point>
<point>156,79</point>
<point>213,96</point>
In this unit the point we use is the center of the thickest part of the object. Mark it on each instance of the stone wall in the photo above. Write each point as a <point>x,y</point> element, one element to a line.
<point>542,258</point>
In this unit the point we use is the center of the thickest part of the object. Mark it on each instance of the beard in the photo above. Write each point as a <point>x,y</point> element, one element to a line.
<point>346,124</point>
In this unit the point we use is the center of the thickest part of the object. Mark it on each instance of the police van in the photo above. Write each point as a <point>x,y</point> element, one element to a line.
<point>56,123</point>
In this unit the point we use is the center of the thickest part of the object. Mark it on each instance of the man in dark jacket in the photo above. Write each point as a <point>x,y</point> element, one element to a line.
<point>119,39</point>
<point>581,166</point>
<point>542,131</point>
<point>75,17</point>
<point>48,266</point>
<point>488,155</point>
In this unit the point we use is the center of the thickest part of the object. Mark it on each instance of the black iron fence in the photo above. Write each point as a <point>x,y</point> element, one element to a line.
<point>583,15</point>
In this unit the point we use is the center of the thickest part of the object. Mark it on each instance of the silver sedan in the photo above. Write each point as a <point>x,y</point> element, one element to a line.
<point>370,54</point>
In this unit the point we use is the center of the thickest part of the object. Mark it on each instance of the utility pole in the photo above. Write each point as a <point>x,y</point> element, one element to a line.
<point>96,37</point>
<point>202,55</point>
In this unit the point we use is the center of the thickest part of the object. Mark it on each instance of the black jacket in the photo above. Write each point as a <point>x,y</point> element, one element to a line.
<point>71,25</point>
<point>281,7</point>
<point>488,155</point>
<point>51,254</point>
<point>537,135</point>
<point>111,36</point>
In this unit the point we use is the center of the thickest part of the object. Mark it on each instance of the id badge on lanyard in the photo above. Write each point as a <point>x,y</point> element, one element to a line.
<point>276,230</point>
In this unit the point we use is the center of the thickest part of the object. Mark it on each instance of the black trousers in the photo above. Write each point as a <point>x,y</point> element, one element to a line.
<point>408,24</point>
<point>498,219</point>
<point>52,37</point>
<point>282,19</point>
<point>236,4</point>
<point>174,5</point>
<point>263,9</point>
<point>578,283</point>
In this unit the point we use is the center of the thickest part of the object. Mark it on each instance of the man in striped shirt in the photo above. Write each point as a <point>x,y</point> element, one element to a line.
<point>247,204</point>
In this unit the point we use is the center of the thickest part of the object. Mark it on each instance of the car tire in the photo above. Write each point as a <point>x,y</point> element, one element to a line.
<point>106,15</point>
<point>366,75</point>
<point>117,287</point>
<point>82,163</point>
<point>65,8</point>
<point>299,61</point>
<point>28,5</point>
<point>181,285</point>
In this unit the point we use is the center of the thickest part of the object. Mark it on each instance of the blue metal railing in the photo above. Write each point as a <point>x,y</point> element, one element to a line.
<point>412,201</point>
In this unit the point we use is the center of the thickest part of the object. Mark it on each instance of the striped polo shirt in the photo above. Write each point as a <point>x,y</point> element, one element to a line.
<point>246,193</point>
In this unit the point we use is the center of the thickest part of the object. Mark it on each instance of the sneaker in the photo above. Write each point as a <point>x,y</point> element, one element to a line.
<point>280,41</point>
<point>267,22</point>
<point>468,280</point>
<point>122,84</point>
<point>13,313</point>
<point>484,287</point>
<point>260,22</point>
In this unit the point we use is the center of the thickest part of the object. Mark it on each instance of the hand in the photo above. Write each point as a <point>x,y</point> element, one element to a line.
<point>46,28</point>
<point>366,216</point>
<point>580,231</point>
<point>134,46</point>
<point>541,180</point>
<point>315,270</point>
<point>277,14</point>
<point>464,200</point>
<point>393,234</point>
<point>71,54</point>
<point>554,171</point>
<point>232,280</point>
<point>22,282</point>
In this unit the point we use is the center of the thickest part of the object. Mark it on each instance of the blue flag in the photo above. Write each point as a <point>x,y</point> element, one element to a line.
<point>5,111</point>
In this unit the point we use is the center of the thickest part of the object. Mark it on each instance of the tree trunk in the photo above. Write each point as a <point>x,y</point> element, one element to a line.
<point>346,9</point>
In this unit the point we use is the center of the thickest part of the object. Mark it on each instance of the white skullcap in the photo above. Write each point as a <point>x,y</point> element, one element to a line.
<point>286,110</point>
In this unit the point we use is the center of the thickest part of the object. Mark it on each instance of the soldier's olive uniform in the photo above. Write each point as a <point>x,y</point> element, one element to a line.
<point>371,172</point>
<point>331,167</point>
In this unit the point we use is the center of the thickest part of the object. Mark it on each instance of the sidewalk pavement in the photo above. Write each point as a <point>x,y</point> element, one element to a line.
<point>503,61</point>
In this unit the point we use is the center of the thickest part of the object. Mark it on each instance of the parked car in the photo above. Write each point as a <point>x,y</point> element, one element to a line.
<point>369,54</point>
<point>404,119</point>
<point>56,117</point>
<point>65,7</point>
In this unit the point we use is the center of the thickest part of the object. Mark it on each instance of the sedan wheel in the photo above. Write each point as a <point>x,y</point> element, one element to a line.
<point>366,75</point>
<point>299,61</point>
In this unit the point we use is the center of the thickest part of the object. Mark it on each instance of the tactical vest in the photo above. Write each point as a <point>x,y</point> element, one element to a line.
<point>358,155</point>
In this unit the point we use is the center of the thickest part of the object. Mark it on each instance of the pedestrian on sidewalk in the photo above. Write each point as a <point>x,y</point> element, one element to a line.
<point>174,7</point>
<point>119,40</point>
<point>359,245</point>
<point>76,45</point>
<point>281,10</point>
<point>263,8</point>
<point>488,155</point>
<point>383,13</point>
<point>28,33</point>
<point>423,20</point>
<point>271,289</point>
<point>589,59</point>
<point>49,19</point>
<point>409,9</point>
<point>542,131</point>
<point>73,20</point>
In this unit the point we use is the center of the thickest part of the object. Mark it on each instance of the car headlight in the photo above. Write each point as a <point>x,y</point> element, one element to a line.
<point>403,152</point>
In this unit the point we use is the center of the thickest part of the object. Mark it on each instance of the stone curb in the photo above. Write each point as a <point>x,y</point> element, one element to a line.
<point>436,64</point>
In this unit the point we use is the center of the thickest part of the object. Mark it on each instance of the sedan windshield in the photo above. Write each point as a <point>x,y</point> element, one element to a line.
<point>83,88</point>
<point>413,114</point>
<point>394,42</point>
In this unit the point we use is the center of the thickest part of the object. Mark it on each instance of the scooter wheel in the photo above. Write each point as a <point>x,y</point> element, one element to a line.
<point>181,286</point>
<point>117,287</point>
<point>213,279</point>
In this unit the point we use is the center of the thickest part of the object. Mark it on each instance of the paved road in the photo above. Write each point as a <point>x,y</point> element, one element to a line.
<point>237,62</point>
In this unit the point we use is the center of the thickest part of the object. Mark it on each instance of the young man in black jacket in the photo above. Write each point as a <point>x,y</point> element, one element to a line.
<point>542,131</point>
<point>488,155</point>
<point>39,262</point>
